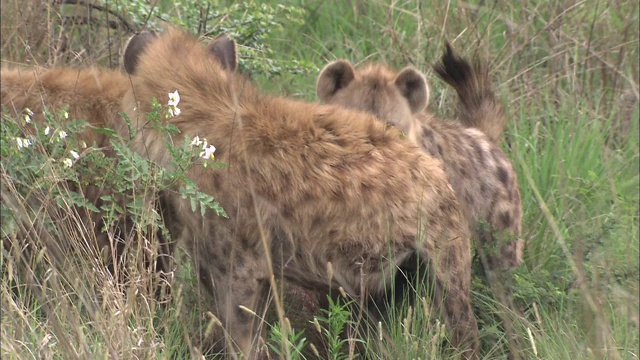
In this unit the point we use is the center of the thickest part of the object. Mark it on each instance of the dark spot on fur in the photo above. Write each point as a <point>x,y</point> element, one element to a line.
<point>503,175</point>
<point>242,315</point>
<point>226,250</point>
<point>505,219</point>
<point>222,267</point>
<point>427,134</point>
<point>484,188</point>
<point>469,200</point>
<point>480,155</point>
<point>287,211</point>
<point>316,222</point>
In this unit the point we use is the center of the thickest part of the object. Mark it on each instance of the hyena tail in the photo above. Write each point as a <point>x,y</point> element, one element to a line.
<point>477,106</point>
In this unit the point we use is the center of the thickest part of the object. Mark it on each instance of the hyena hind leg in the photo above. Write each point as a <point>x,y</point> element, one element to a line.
<point>450,275</point>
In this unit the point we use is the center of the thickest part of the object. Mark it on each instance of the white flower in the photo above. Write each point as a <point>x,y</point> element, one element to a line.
<point>22,142</point>
<point>208,152</point>
<point>47,130</point>
<point>68,162</point>
<point>174,98</point>
<point>74,154</point>
<point>196,141</point>
<point>63,134</point>
<point>27,116</point>
<point>66,115</point>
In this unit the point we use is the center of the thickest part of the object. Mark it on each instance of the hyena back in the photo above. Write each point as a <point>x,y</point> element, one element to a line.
<point>479,171</point>
<point>306,185</point>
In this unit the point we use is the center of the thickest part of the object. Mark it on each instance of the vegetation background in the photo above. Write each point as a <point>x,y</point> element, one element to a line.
<point>568,73</point>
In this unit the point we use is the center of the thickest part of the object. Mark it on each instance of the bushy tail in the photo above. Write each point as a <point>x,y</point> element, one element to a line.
<point>478,106</point>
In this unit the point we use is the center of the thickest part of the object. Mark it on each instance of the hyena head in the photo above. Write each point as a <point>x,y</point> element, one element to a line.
<point>222,48</point>
<point>393,97</point>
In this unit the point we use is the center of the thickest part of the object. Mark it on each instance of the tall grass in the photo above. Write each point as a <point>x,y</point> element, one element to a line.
<point>568,73</point>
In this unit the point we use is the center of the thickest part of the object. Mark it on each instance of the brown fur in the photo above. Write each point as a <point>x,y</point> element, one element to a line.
<point>479,171</point>
<point>307,184</point>
<point>95,97</point>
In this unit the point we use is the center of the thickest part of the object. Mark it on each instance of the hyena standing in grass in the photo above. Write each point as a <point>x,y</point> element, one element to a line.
<point>307,185</point>
<point>479,171</point>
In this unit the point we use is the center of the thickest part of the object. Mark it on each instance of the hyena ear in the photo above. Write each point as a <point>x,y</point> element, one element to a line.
<point>335,76</point>
<point>136,46</point>
<point>413,86</point>
<point>223,48</point>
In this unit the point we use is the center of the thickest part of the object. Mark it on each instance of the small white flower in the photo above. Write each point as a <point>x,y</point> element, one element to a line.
<point>83,144</point>
<point>66,115</point>
<point>27,116</point>
<point>63,134</point>
<point>196,141</point>
<point>208,152</point>
<point>47,130</point>
<point>74,154</point>
<point>68,162</point>
<point>174,98</point>
<point>22,142</point>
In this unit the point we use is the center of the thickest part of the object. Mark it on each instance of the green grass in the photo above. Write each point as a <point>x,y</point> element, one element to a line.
<point>568,75</point>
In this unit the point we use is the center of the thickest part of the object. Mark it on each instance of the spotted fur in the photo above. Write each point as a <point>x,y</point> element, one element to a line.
<point>306,185</point>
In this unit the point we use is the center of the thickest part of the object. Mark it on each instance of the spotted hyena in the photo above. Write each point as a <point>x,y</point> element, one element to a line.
<point>479,171</point>
<point>306,185</point>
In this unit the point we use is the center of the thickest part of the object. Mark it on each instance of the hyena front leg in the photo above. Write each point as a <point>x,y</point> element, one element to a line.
<point>450,273</point>
<point>238,288</point>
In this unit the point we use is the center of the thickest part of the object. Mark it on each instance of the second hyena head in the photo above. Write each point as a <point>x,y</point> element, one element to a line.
<point>393,97</point>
